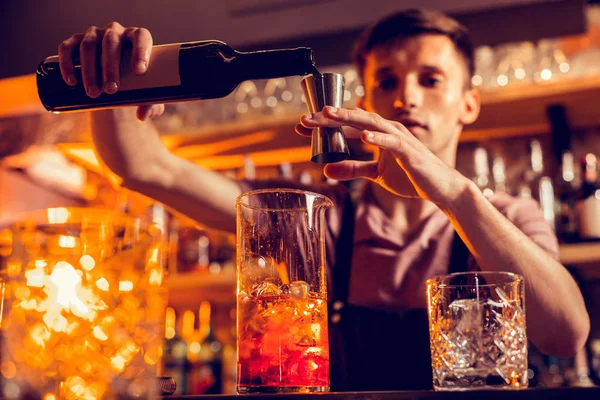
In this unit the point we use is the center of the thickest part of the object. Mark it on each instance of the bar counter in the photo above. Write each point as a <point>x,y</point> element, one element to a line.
<point>524,394</point>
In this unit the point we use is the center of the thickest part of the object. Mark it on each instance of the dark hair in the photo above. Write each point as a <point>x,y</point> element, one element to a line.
<point>404,24</point>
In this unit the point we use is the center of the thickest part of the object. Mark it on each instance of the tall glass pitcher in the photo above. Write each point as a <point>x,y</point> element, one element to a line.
<point>281,292</point>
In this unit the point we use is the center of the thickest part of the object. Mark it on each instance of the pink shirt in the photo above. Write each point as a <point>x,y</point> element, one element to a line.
<point>389,270</point>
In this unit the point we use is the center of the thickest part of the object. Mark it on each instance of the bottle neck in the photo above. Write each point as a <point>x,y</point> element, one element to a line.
<point>276,63</point>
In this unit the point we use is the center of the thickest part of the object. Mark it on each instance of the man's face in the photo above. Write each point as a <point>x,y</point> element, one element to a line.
<point>421,83</point>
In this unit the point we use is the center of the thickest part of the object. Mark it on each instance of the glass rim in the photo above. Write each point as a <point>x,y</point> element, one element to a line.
<point>438,279</point>
<point>239,201</point>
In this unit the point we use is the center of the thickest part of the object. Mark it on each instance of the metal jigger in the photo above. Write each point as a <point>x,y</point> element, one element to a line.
<point>328,144</point>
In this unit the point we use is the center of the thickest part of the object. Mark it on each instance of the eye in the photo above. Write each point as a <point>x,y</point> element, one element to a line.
<point>431,81</point>
<point>387,84</point>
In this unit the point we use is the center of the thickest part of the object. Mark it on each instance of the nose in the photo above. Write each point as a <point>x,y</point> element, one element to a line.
<point>408,95</point>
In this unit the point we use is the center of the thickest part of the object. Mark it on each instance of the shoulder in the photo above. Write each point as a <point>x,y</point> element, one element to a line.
<point>526,214</point>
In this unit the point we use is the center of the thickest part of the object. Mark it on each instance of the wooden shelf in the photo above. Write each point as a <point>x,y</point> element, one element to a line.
<point>521,110</point>
<point>578,254</point>
<point>505,113</point>
<point>186,290</point>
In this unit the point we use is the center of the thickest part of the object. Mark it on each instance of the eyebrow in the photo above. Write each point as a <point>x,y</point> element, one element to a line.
<point>433,69</point>
<point>384,71</point>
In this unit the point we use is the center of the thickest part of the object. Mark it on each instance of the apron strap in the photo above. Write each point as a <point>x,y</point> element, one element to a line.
<point>343,254</point>
<point>459,255</point>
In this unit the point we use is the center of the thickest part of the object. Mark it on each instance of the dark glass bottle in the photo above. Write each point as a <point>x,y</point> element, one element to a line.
<point>175,362</point>
<point>176,72</point>
<point>588,200</point>
<point>207,365</point>
<point>566,222</point>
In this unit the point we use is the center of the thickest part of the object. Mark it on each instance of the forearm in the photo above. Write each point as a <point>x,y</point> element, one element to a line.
<point>557,319</point>
<point>132,150</point>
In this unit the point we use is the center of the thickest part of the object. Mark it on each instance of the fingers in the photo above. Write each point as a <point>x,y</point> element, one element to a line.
<point>359,119</point>
<point>100,71</point>
<point>353,121</point>
<point>318,120</point>
<point>384,141</point>
<point>111,57</point>
<point>141,42</point>
<point>88,50</point>
<point>348,170</point>
<point>308,122</point>
<point>303,131</point>
<point>66,51</point>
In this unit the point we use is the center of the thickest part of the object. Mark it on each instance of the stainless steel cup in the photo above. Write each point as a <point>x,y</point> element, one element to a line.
<point>328,144</point>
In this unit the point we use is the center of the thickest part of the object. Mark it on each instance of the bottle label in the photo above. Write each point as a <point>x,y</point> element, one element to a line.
<point>163,69</point>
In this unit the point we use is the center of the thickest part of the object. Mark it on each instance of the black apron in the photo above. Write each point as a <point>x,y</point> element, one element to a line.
<point>375,350</point>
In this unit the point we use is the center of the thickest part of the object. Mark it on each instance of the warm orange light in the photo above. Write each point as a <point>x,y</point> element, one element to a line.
<point>58,215</point>
<point>261,158</point>
<point>87,262</point>
<point>19,96</point>
<point>125,286</point>
<point>8,369</point>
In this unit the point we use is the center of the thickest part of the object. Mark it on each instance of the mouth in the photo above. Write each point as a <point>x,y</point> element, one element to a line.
<point>413,125</point>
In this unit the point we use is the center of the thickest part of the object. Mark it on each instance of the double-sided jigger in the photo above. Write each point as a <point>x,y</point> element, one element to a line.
<point>328,144</point>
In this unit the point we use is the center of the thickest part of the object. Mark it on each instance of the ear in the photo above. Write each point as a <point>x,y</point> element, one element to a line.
<point>471,107</point>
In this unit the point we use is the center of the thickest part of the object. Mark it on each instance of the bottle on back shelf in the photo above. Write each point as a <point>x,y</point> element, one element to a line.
<point>207,363</point>
<point>482,171</point>
<point>184,71</point>
<point>565,178</point>
<point>286,171</point>
<point>566,187</point>
<point>175,361</point>
<point>537,185</point>
<point>588,200</point>
<point>249,168</point>
<point>193,250</point>
<point>499,175</point>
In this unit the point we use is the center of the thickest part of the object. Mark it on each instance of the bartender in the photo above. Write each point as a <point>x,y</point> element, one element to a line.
<point>415,218</point>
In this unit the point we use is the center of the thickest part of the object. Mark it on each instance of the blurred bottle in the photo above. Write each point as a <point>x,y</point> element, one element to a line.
<point>499,175</point>
<point>482,171</point>
<point>565,182</point>
<point>533,172</point>
<point>207,364</point>
<point>566,221</point>
<point>588,200</point>
<point>175,349</point>
<point>230,356</point>
<point>305,177</point>
<point>580,376</point>
<point>193,251</point>
<point>594,346</point>
<point>552,375</point>
<point>286,171</point>
<point>249,169</point>
<point>537,185</point>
